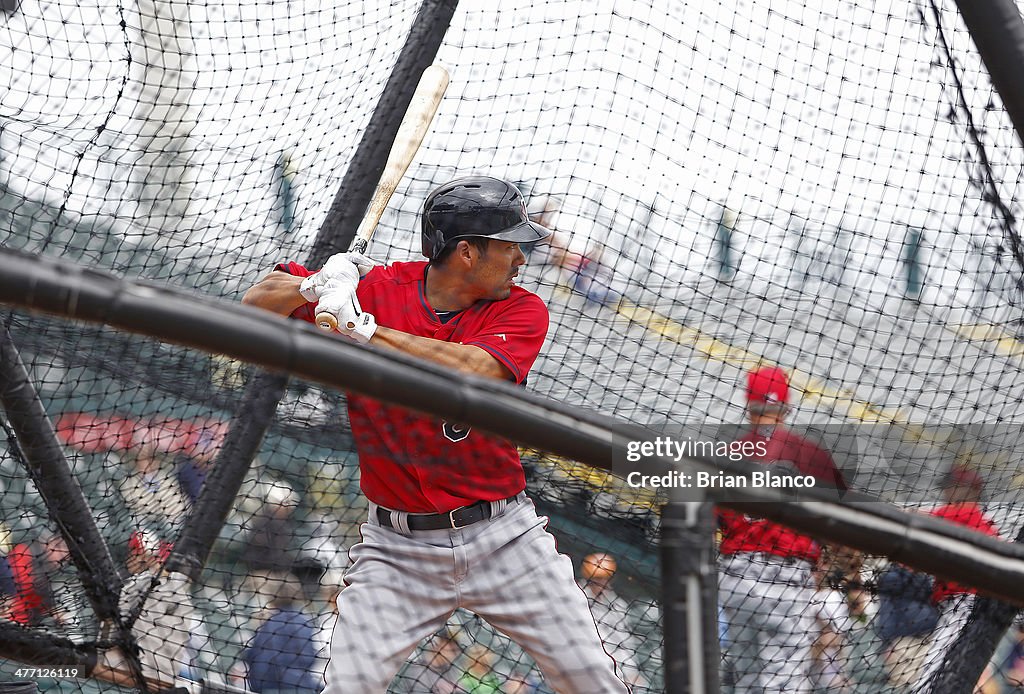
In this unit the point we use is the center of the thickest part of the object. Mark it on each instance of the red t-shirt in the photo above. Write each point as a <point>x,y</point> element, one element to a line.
<point>970,515</point>
<point>410,462</point>
<point>743,533</point>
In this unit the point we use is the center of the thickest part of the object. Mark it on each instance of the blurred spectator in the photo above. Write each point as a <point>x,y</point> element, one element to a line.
<point>270,542</point>
<point>434,671</point>
<point>1014,663</point>
<point>611,615</point>
<point>159,607</point>
<point>518,685</point>
<point>322,547</point>
<point>832,616</point>
<point>281,658</point>
<point>542,209</point>
<point>479,677</point>
<point>566,261</point>
<point>962,489</point>
<point>40,585</point>
<point>325,622</point>
<point>585,273</point>
<point>152,493</point>
<point>25,605</point>
<point>864,648</point>
<point>236,675</point>
<point>848,650</point>
<point>191,470</point>
<point>68,608</point>
<point>593,278</point>
<point>905,620</point>
<point>321,558</point>
<point>31,599</point>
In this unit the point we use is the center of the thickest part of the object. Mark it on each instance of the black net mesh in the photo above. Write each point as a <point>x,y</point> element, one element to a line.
<point>830,190</point>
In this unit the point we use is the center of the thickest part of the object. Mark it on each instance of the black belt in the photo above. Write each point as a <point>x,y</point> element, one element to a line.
<point>788,560</point>
<point>456,518</point>
<point>768,557</point>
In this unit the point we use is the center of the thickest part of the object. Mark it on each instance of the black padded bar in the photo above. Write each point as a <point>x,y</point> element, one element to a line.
<point>52,476</point>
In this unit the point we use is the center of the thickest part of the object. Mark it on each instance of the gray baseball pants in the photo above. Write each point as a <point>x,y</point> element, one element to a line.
<point>403,587</point>
<point>771,629</point>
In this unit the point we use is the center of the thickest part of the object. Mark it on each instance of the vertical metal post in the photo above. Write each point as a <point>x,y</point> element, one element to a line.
<point>967,657</point>
<point>52,476</point>
<point>998,32</point>
<point>689,593</point>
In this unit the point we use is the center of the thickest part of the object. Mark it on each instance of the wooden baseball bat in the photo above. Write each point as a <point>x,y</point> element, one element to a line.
<point>418,117</point>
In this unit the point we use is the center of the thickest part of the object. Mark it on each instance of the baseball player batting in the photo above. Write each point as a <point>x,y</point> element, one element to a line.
<point>765,582</point>
<point>449,522</point>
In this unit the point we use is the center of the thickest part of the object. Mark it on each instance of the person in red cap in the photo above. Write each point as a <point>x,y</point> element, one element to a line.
<point>765,583</point>
<point>962,489</point>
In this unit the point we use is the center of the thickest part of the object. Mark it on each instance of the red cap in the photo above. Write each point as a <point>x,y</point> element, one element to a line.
<point>963,477</point>
<point>767,386</point>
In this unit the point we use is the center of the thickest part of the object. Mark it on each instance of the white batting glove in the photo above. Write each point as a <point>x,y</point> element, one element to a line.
<point>341,271</point>
<point>361,330</point>
<point>344,306</point>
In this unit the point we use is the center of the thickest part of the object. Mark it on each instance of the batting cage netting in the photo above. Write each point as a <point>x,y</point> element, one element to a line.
<point>774,223</point>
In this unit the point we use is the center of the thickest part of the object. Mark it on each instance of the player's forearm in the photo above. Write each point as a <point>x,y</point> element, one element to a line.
<point>465,358</point>
<point>277,292</point>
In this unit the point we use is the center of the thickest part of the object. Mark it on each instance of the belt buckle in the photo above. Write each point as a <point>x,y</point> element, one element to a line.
<point>454,524</point>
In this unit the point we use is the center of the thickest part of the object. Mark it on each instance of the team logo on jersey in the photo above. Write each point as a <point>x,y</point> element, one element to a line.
<point>502,336</point>
<point>455,432</point>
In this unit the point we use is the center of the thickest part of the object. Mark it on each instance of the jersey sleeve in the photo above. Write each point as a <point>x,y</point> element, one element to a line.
<point>514,335</point>
<point>307,311</point>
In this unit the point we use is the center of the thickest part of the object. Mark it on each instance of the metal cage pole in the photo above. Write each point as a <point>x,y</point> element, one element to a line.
<point>689,582</point>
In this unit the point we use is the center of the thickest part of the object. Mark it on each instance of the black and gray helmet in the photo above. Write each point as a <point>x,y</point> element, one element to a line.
<point>476,206</point>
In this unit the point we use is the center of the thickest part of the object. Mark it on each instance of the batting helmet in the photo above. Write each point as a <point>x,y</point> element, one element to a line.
<point>476,206</point>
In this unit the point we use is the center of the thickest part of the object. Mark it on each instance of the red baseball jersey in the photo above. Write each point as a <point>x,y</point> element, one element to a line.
<point>970,515</point>
<point>742,533</point>
<point>411,462</point>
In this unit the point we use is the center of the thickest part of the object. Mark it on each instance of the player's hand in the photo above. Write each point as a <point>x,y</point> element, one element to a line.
<point>353,322</point>
<point>341,271</point>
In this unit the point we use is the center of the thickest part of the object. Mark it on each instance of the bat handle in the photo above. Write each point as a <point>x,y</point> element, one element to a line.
<point>326,321</point>
<point>359,245</point>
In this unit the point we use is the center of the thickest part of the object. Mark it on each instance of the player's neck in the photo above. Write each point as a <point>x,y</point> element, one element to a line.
<point>446,291</point>
<point>766,421</point>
